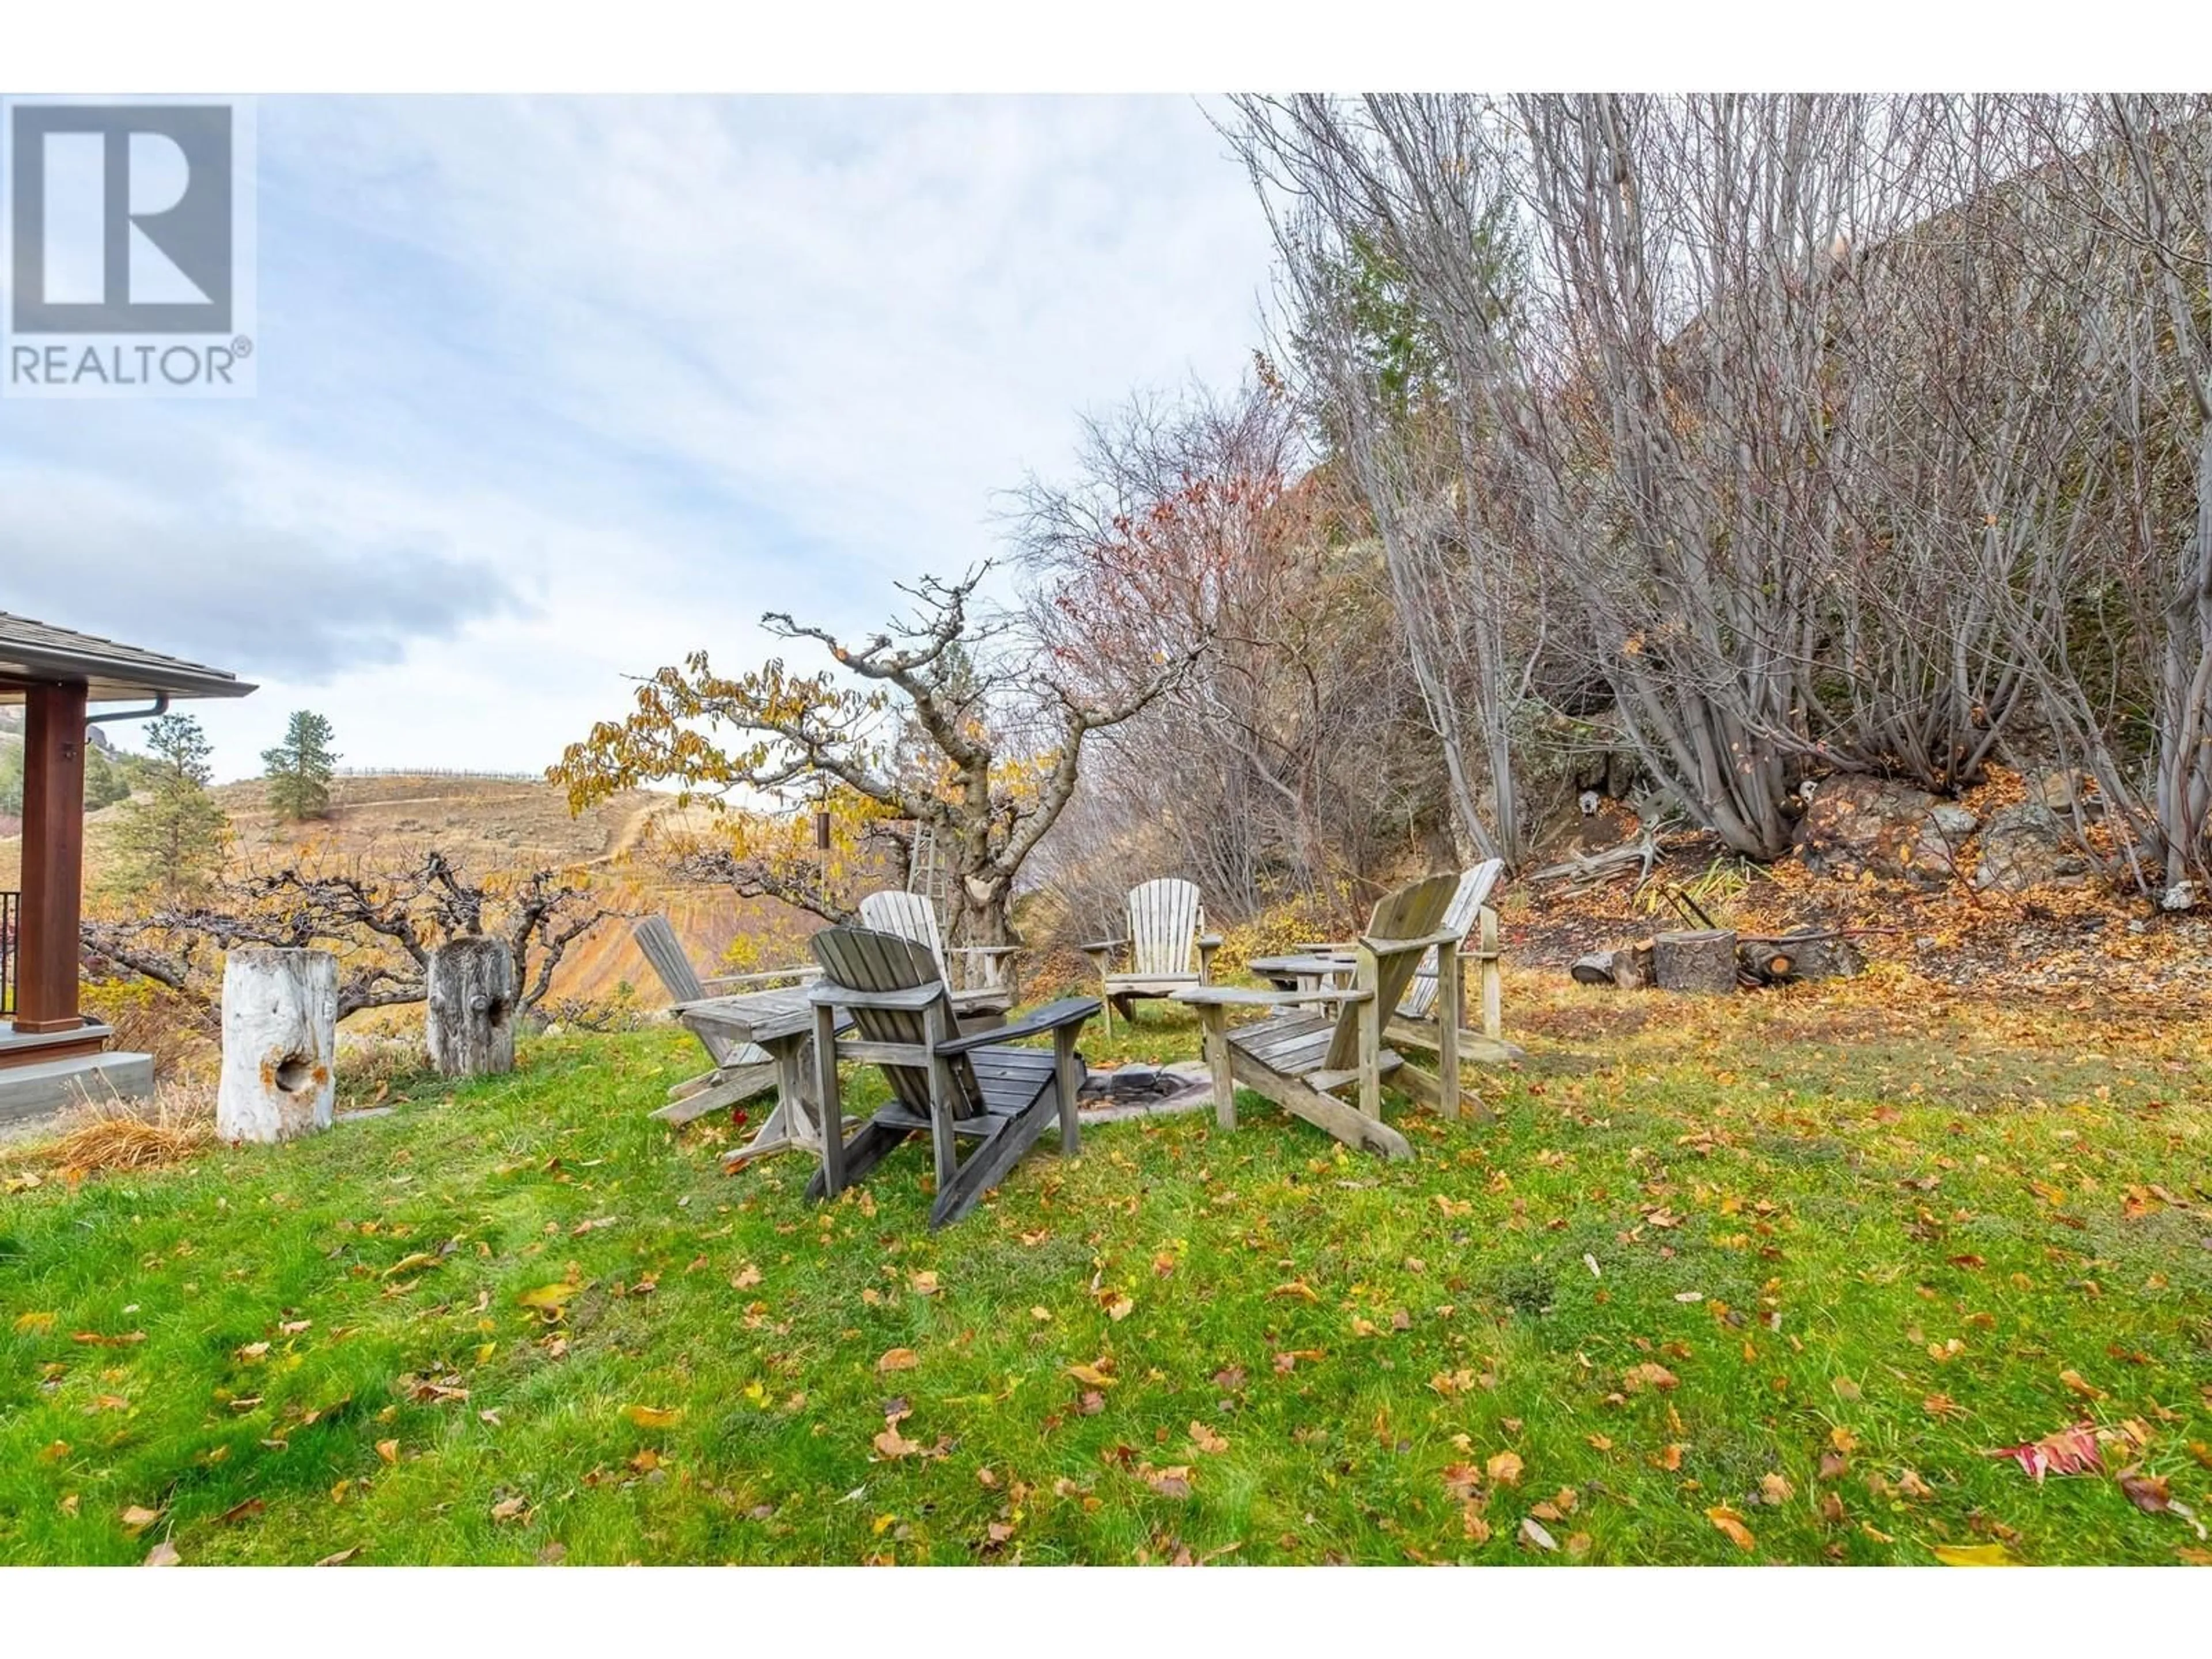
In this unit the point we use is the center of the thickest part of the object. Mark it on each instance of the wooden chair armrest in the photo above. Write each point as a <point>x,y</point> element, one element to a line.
<point>1399,947</point>
<point>1238,996</point>
<point>985,950</point>
<point>812,971</point>
<point>1052,1017</point>
<point>1104,946</point>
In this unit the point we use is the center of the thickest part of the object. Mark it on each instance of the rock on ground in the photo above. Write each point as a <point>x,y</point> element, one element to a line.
<point>1856,826</point>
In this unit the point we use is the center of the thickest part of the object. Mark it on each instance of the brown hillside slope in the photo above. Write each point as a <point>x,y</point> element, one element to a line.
<point>486,825</point>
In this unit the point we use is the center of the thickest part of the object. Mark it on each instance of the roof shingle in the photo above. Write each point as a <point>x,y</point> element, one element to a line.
<point>110,671</point>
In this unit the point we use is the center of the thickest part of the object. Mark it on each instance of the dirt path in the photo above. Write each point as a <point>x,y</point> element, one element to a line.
<point>632,832</point>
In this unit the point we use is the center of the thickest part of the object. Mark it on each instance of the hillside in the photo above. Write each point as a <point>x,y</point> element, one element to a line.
<point>487,824</point>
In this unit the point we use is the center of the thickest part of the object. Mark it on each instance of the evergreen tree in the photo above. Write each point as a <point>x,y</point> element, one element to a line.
<point>173,837</point>
<point>300,767</point>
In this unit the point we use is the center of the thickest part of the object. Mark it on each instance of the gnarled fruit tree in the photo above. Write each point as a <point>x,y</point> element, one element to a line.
<point>946,718</point>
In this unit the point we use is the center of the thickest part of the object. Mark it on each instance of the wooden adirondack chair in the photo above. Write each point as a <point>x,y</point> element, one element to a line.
<point>983,989</point>
<point>982,1087</point>
<point>1167,925</point>
<point>1300,1059</point>
<point>741,1070</point>
<point>1416,1021</point>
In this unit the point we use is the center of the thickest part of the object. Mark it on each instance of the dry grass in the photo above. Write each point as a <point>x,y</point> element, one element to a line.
<point>176,1122</point>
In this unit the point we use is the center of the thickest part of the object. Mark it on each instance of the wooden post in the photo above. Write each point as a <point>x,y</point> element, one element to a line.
<point>1215,1019</point>
<point>1063,1067</point>
<point>1493,988</point>
<point>280,1025</point>
<point>1451,1001</point>
<point>828,1102</point>
<point>53,860</point>
<point>1367,977</point>
<point>1103,960</point>
<point>944,1094</point>
<point>469,1024</point>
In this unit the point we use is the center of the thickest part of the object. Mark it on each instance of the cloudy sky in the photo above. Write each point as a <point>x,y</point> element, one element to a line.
<point>552,391</point>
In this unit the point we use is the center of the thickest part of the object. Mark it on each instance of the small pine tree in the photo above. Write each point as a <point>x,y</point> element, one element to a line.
<point>301,769</point>
<point>172,838</point>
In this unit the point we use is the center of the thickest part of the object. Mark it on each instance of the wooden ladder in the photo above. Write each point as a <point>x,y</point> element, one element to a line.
<point>927,875</point>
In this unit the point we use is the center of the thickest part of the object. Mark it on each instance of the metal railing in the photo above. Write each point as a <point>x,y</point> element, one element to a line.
<point>11,915</point>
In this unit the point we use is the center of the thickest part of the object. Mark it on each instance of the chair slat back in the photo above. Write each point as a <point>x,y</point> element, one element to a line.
<point>908,915</point>
<point>1411,912</point>
<point>861,959</point>
<point>1163,923</point>
<point>664,952</point>
<point>1474,888</point>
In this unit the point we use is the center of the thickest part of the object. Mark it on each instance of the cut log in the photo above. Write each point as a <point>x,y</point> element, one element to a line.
<point>1766,961</point>
<point>1701,961</point>
<point>471,993</point>
<point>1633,968</point>
<point>280,1030</point>
<point>1595,969</point>
<point>1814,957</point>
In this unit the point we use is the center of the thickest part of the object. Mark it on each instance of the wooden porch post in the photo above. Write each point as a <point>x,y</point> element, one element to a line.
<point>53,857</point>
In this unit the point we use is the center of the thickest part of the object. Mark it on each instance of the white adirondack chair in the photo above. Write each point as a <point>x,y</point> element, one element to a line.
<point>984,990</point>
<point>1167,931</point>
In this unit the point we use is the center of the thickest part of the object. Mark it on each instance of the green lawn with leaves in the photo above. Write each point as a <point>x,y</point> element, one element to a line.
<point>1760,1280</point>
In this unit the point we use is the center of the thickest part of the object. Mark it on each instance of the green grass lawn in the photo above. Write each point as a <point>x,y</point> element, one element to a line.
<point>1756,1281</point>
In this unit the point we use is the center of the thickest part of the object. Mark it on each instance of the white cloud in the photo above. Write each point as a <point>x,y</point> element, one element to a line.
<point>553,390</point>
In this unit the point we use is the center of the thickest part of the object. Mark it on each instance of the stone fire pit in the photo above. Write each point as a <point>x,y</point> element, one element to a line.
<point>1134,1090</point>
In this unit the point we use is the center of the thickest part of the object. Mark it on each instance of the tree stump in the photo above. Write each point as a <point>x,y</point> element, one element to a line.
<point>472,989</point>
<point>1703,961</point>
<point>280,1030</point>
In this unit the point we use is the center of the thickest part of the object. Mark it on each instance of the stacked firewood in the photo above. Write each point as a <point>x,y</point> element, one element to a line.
<point>1715,960</point>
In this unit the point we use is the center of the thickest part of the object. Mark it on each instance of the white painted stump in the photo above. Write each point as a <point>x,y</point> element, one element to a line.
<point>471,1022</point>
<point>280,1025</point>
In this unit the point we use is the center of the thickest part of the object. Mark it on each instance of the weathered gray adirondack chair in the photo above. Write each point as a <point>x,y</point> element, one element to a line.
<point>741,1070</point>
<point>1167,926</point>
<point>1416,1021</point>
<point>1300,1059</point>
<point>981,1087</point>
<point>983,987</point>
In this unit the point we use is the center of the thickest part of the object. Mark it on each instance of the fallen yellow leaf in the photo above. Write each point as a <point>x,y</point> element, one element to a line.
<point>653,1416</point>
<point>1975,1555</point>
<point>1732,1523</point>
